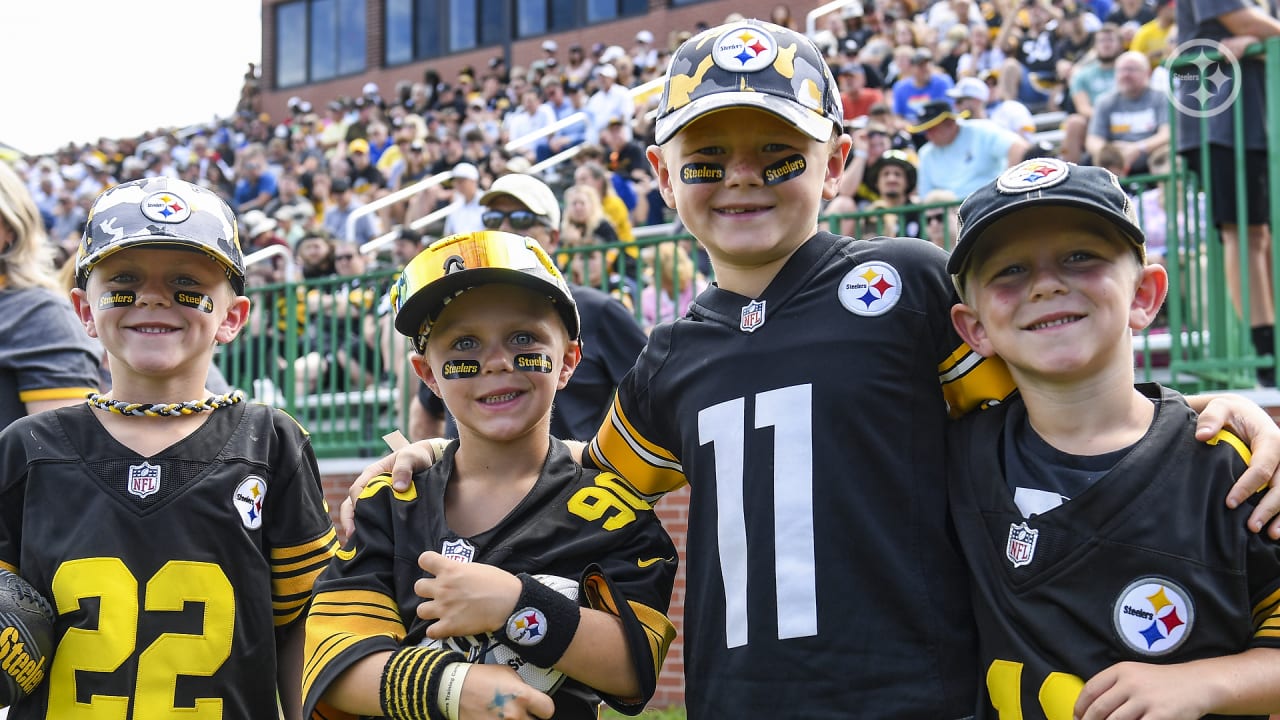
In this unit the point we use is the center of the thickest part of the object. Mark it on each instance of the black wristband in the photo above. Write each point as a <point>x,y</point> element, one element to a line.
<point>411,681</point>
<point>542,625</point>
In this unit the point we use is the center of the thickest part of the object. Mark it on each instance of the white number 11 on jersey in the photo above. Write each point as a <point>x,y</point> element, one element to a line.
<point>789,412</point>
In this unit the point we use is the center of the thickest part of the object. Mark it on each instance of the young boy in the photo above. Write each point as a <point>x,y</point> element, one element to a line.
<point>177,534</point>
<point>1087,511</point>
<point>805,404</point>
<point>496,333</point>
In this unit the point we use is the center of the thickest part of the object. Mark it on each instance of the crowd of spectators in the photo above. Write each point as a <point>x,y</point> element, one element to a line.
<point>938,96</point>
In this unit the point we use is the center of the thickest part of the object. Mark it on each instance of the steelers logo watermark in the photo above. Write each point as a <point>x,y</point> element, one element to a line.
<point>745,49</point>
<point>1153,616</point>
<point>165,207</point>
<point>870,289</point>
<point>1204,78</point>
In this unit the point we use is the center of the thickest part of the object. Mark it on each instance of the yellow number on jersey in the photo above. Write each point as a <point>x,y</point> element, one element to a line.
<point>1058,692</point>
<point>592,503</point>
<point>105,649</point>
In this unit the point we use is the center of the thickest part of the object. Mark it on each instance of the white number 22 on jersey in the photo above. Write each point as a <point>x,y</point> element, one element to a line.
<point>788,411</point>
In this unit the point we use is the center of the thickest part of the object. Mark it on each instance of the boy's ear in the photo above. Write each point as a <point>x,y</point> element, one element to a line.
<point>572,356</point>
<point>1153,286</point>
<point>971,329</point>
<point>835,166</point>
<point>235,319</point>
<point>663,174</point>
<point>424,371</point>
<point>84,311</point>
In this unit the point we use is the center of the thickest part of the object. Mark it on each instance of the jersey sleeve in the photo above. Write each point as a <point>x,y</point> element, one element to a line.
<point>354,612</point>
<point>969,381</point>
<point>633,583</point>
<point>48,353</point>
<point>13,486</point>
<point>632,442</point>
<point>300,533</point>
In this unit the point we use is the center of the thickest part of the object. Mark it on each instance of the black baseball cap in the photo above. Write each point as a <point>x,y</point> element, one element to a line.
<point>1044,182</point>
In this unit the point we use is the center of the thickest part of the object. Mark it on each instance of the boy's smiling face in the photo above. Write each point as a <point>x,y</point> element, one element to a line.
<point>764,205</point>
<point>159,311</point>
<point>496,356</point>
<point>1056,304</point>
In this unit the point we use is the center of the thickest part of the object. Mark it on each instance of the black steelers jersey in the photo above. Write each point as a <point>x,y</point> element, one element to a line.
<point>574,523</point>
<point>170,574</point>
<point>1147,565</point>
<point>810,426</point>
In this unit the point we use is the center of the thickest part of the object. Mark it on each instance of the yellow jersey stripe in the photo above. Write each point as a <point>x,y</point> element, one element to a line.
<point>68,393</point>
<point>618,449</point>
<point>970,382</point>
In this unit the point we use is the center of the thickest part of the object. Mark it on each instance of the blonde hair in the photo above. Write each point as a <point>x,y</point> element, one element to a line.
<point>673,270</point>
<point>28,260</point>
<point>595,211</point>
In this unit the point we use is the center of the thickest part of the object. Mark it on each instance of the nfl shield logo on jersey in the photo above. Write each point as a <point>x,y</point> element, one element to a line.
<point>1022,544</point>
<point>144,479</point>
<point>459,550</point>
<point>752,316</point>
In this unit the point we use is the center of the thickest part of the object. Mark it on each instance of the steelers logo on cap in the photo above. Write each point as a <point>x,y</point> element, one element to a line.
<point>1029,175</point>
<point>165,207</point>
<point>745,48</point>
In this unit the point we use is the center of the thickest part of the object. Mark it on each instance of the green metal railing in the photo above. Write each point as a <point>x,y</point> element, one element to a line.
<point>1213,349</point>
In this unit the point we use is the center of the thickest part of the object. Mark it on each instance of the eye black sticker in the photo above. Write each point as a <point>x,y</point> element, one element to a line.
<point>784,170</point>
<point>457,369</point>
<point>117,298</point>
<point>203,303</point>
<point>534,362</point>
<point>697,173</point>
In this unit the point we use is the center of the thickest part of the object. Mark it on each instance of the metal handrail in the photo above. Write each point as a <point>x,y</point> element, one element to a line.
<point>425,184</point>
<point>270,251</point>
<point>403,193</point>
<point>811,18</point>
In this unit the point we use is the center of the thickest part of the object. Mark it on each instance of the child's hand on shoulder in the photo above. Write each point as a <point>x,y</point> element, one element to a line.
<point>464,598</point>
<point>1141,690</point>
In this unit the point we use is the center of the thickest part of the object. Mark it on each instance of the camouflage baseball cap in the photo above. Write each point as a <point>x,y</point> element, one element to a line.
<point>161,212</point>
<point>754,64</point>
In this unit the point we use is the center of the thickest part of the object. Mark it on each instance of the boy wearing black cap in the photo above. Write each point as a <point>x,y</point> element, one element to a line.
<point>1109,580</point>
<point>496,332</point>
<point>177,532</point>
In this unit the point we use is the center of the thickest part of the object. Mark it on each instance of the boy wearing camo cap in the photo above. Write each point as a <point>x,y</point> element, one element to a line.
<point>176,532</point>
<point>804,402</point>
<point>1109,579</point>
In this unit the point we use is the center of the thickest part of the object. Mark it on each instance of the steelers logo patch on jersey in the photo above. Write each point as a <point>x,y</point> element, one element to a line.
<point>745,48</point>
<point>248,500</point>
<point>165,207</point>
<point>1153,616</point>
<point>870,289</point>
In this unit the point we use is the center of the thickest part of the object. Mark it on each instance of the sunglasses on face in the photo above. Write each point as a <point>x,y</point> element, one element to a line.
<point>520,219</point>
<point>933,217</point>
